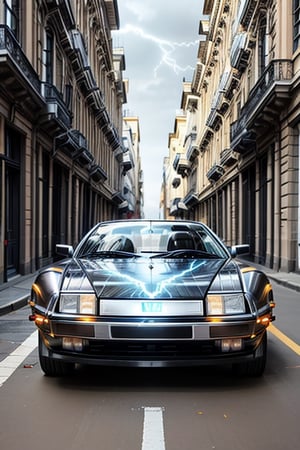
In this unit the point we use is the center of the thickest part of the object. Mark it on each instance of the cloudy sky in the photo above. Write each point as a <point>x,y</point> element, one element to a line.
<point>160,41</point>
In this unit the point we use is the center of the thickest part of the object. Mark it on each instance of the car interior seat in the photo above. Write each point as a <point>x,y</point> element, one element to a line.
<point>118,243</point>
<point>180,240</point>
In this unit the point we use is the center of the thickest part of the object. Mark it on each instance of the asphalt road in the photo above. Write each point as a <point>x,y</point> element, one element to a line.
<point>154,409</point>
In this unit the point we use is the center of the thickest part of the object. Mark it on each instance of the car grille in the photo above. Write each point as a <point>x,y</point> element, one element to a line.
<point>183,332</point>
<point>150,350</point>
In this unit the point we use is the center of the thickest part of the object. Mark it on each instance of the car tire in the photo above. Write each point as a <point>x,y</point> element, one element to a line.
<point>256,367</point>
<point>52,367</point>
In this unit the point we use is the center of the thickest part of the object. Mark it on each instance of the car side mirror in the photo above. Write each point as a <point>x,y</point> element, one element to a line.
<point>241,249</point>
<point>64,250</point>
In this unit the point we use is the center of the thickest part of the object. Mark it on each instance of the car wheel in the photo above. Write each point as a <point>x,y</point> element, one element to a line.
<point>52,367</point>
<point>256,367</point>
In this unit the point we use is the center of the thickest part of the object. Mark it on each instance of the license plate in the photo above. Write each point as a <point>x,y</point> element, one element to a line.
<point>151,307</point>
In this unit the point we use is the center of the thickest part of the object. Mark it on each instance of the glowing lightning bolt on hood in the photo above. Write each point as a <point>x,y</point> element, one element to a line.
<point>141,285</point>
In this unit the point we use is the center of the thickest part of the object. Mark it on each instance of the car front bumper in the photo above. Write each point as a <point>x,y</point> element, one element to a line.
<point>150,343</point>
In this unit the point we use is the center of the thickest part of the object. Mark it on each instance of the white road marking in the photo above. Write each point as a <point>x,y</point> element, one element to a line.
<point>153,430</point>
<point>12,361</point>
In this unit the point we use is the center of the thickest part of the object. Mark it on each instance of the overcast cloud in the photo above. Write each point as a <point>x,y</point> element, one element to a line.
<point>160,41</point>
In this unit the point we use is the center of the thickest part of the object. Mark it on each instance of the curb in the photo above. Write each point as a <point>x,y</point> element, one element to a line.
<point>284,283</point>
<point>14,305</point>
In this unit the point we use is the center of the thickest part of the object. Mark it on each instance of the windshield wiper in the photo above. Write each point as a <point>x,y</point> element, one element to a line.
<point>109,254</point>
<point>187,253</point>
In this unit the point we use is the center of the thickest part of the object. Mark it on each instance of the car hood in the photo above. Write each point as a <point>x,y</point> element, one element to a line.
<point>152,278</point>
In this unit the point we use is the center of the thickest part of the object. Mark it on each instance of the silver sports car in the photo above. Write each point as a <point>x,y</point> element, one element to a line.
<point>151,293</point>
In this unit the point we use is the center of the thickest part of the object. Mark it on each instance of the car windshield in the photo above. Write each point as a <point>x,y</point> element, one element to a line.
<point>152,238</point>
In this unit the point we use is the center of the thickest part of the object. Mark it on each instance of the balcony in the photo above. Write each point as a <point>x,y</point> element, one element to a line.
<point>206,138</point>
<point>17,76</point>
<point>64,9</point>
<point>57,114</point>
<point>97,173</point>
<point>242,142</point>
<point>112,137</point>
<point>231,83</point>
<point>214,120</point>
<point>112,14</point>
<point>80,60</point>
<point>75,145</point>
<point>247,9</point>
<point>239,55</point>
<point>96,102</point>
<point>215,173</point>
<point>118,198</point>
<point>192,152</point>
<point>265,102</point>
<point>191,199</point>
<point>102,118</point>
<point>177,207</point>
<point>86,81</point>
<point>63,19</point>
<point>181,165</point>
<point>127,162</point>
<point>228,157</point>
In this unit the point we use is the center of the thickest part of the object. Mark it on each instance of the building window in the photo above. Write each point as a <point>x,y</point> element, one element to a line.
<point>59,71</point>
<point>12,16</point>
<point>262,45</point>
<point>49,56</point>
<point>296,24</point>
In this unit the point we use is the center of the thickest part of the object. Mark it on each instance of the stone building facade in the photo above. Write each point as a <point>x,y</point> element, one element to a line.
<point>240,162</point>
<point>61,146</point>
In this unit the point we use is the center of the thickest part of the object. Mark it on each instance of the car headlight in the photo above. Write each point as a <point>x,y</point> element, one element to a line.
<point>225,304</point>
<point>77,303</point>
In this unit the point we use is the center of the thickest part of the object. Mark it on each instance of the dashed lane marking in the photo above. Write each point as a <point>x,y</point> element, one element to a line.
<point>153,429</point>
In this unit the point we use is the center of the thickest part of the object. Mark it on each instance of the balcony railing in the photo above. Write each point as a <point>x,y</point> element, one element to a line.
<point>75,145</point>
<point>239,54</point>
<point>206,138</point>
<point>20,70</point>
<point>191,199</point>
<point>81,60</point>
<point>56,106</point>
<point>64,9</point>
<point>246,11</point>
<point>97,173</point>
<point>216,172</point>
<point>177,207</point>
<point>228,157</point>
<point>272,87</point>
<point>192,152</point>
<point>181,164</point>
<point>118,198</point>
<point>127,162</point>
<point>112,137</point>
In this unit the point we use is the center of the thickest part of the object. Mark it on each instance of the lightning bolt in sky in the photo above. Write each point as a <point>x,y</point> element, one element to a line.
<point>161,286</point>
<point>167,48</point>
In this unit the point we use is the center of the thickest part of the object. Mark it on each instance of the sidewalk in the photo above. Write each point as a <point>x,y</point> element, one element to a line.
<point>16,293</point>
